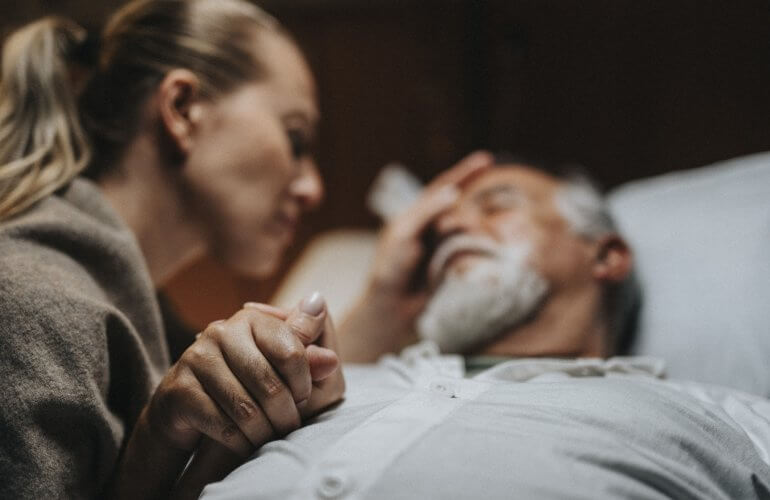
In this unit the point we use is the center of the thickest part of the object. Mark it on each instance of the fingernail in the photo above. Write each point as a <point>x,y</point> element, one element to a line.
<point>312,305</point>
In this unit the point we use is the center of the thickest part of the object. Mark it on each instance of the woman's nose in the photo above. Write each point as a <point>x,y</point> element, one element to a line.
<point>308,187</point>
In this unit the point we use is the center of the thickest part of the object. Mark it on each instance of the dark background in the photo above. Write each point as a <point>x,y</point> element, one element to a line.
<point>627,88</point>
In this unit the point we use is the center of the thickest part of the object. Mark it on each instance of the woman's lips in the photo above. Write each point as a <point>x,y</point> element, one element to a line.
<point>284,226</point>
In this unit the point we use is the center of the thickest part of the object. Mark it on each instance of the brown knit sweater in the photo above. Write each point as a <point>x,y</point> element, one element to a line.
<point>81,345</point>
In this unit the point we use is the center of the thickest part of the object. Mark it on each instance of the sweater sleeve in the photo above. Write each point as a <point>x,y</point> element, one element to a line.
<point>62,416</point>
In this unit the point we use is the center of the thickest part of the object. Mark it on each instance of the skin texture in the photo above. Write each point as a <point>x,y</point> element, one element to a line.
<point>509,203</point>
<point>237,388</point>
<point>250,174</point>
<point>230,176</point>
<point>363,335</point>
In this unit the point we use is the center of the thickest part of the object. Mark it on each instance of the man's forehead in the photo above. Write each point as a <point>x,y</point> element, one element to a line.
<point>529,181</point>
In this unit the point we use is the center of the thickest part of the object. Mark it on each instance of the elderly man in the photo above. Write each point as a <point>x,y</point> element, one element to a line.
<point>525,264</point>
<point>523,273</point>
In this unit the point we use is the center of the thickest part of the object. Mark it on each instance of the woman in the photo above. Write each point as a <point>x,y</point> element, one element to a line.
<point>194,127</point>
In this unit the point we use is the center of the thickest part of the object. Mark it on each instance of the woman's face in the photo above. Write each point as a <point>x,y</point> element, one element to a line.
<point>250,173</point>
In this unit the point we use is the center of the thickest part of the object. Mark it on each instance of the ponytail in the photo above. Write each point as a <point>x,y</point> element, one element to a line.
<point>48,135</point>
<point>42,144</point>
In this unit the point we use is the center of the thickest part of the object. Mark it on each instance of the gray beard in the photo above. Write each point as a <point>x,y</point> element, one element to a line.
<point>497,292</point>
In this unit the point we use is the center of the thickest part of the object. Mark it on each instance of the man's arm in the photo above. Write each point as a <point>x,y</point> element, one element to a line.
<point>383,319</point>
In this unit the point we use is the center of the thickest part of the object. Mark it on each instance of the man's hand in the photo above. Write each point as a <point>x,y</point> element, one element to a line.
<point>384,318</point>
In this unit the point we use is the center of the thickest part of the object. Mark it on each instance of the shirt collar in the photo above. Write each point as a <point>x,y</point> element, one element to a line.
<point>520,370</point>
<point>424,357</point>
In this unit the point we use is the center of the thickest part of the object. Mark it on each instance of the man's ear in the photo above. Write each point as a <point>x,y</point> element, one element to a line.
<point>613,259</point>
<point>178,96</point>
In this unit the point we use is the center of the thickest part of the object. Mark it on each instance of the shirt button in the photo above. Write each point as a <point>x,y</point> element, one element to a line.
<point>444,388</point>
<point>330,486</point>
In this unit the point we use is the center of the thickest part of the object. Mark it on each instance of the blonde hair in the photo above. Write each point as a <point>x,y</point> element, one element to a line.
<point>42,145</point>
<point>48,135</point>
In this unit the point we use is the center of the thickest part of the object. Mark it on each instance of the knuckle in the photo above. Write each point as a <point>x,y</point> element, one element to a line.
<point>304,331</point>
<point>215,330</point>
<point>248,313</point>
<point>268,383</point>
<point>213,323</point>
<point>242,409</point>
<point>290,355</point>
<point>229,433</point>
<point>209,423</point>
<point>174,393</point>
<point>198,354</point>
<point>181,393</point>
<point>272,387</point>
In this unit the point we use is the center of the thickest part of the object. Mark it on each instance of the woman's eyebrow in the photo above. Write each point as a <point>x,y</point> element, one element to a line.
<point>301,116</point>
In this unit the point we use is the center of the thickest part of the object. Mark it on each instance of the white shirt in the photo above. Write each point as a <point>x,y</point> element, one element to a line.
<point>414,427</point>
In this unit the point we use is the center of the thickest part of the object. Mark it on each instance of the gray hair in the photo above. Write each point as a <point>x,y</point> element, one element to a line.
<point>583,207</point>
<point>587,215</point>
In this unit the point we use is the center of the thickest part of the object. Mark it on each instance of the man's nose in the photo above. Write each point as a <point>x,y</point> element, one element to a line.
<point>308,187</point>
<point>456,220</point>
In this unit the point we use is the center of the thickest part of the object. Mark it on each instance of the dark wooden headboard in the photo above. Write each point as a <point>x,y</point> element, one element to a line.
<point>626,88</point>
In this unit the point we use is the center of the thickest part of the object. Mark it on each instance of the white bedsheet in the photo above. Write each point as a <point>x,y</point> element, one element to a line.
<point>414,427</point>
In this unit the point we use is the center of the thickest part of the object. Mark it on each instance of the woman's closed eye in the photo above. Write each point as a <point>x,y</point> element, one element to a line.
<point>300,146</point>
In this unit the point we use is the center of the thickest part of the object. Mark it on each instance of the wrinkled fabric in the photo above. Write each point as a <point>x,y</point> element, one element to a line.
<point>415,427</point>
<point>81,345</point>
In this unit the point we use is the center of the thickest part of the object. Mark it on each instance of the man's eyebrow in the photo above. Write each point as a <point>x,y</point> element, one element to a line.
<point>496,189</point>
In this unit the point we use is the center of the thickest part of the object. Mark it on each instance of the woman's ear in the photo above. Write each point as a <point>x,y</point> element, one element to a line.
<point>613,259</point>
<point>178,95</point>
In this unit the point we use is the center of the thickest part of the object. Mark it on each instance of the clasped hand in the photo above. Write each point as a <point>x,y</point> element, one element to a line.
<point>244,381</point>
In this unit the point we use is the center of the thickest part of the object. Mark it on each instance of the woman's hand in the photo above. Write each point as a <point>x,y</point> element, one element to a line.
<point>244,381</point>
<point>364,334</point>
<point>318,334</point>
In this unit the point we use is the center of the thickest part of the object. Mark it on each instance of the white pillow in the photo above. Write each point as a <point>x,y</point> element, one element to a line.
<point>335,263</point>
<point>702,245</point>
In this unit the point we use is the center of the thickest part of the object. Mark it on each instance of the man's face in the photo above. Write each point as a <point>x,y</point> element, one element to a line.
<point>504,248</point>
<point>514,205</point>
